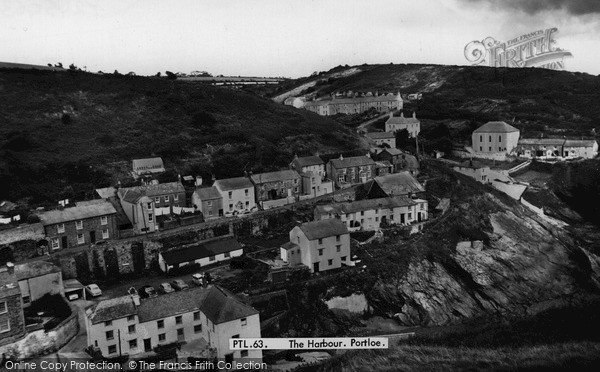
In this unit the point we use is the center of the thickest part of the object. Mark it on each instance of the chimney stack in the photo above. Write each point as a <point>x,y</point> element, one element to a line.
<point>341,157</point>
<point>414,114</point>
<point>10,268</point>
<point>402,114</point>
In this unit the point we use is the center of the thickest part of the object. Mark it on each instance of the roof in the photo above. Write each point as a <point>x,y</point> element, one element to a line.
<point>354,161</point>
<point>339,101</point>
<point>200,250</point>
<point>148,164</point>
<point>542,141</point>
<point>380,135</point>
<point>580,143</point>
<point>472,164</point>
<point>364,205</point>
<point>106,192</point>
<point>233,183</point>
<point>401,183</point>
<point>323,229</point>
<point>495,127</point>
<point>133,194</point>
<point>114,308</point>
<point>217,304</point>
<point>208,193</point>
<point>72,284</point>
<point>282,175</point>
<point>78,212</point>
<point>8,283</point>
<point>34,269</point>
<point>307,161</point>
<point>383,163</point>
<point>34,231</point>
<point>393,152</point>
<point>402,120</point>
<point>7,206</point>
<point>289,245</point>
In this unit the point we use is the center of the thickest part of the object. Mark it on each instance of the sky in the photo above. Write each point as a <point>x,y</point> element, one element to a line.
<point>281,37</point>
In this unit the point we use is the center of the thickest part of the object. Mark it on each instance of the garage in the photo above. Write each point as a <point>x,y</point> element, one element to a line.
<point>74,290</point>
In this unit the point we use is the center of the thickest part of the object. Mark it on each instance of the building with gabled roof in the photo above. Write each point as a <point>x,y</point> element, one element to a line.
<point>12,319</point>
<point>37,279</point>
<point>495,137</point>
<point>209,201</point>
<point>147,166</point>
<point>355,105</point>
<point>237,193</point>
<point>319,245</point>
<point>396,123</point>
<point>350,171</point>
<point>399,184</point>
<point>277,188</point>
<point>382,139</point>
<point>313,164</point>
<point>129,325</point>
<point>203,253</point>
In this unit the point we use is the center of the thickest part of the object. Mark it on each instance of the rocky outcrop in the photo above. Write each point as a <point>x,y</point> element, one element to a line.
<point>527,266</point>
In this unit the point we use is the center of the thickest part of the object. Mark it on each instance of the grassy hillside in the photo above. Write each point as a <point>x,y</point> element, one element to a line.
<point>64,133</point>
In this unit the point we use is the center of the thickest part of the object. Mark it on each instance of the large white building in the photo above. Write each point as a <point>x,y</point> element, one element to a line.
<point>238,194</point>
<point>355,105</point>
<point>204,317</point>
<point>396,123</point>
<point>202,253</point>
<point>495,137</point>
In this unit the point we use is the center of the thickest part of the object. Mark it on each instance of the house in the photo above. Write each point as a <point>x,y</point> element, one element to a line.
<point>313,164</point>
<point>8,213</point>
<point>319,245</point>
<point>587,149</point>
<point>383,168</point>
<point>277,188</point>
<point>397,184</point>
<point>540,147</point>
<point>12,319</point>
<point>497,178</point>
<point>495,137</point>
<point>209,201</point>
<point>38,278</point>
<point>147,166</point>
<point>400,160</point>
<point>355,105</point>
<point>204,317</point>
<point>142,204</point>
<point>314,185</point>
<point>237,193</point>
<point>370,214</point>
<point>350,171</point>
<point>203,253</point>
<point>88,222</point>
<point>396,123</point>
<point>382,139</point>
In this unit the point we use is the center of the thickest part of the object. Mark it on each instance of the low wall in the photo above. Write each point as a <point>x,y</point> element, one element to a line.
<point>39,342</point>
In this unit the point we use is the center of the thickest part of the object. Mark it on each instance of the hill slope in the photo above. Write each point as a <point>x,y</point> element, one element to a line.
<point>77,129</point>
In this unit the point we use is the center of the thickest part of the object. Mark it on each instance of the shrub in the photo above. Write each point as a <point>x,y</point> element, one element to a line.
<point>53,304</point>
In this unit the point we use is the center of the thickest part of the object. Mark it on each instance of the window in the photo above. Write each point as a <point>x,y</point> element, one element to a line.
<point>167,199</point>
<point>150,217</point>
<point>480,148</point>
<point>176,197</point>
<point>112,349</point>
<point>210,213</point>
<point>131,318</point>
<point>149,205</point>
<point>362,213</point>
<point>338,248</point>
<point>26,299</point>
<point>235,336</point>
<point>341,178</point>
<point>244,321</point>
<point>160,324</point>
<point>247,204</point>
<point>321,241</point>
<point>490,148</point>
<point>344,258</point>
<point>80,239</point>
<point>79,225</point>
<point>104,220</point>
<point>376,219</point>
<point>3,307</point>
<point>422,206</point>
<point>499,138</point>
<point>131,329</point>
<point>244,353</point>
<point>230,207</point>
<point>295,189</point>
<point>321,252</point>
<point>481,138</point>
<point>55,243</point>
<point>162,337</point>
<point>180,335</point>
<point>410,216</point>
<point>209,203</point>
<point>178,319</point>
<point>133,344</point>
<point>60,228</point>
<point>347,215</point>
<point>246,192</point>
<point>157,199</point>
<point>196,315</point>
<point>329,262</point>
<point>198,328</point>
<point>230,194</point>
<point>211,258</point>
<point>108,323</point>
<point>338,238</point>
<point>110,335</point>
<point>105,234</point>
<point>490,138</point>
<point>226,254</point>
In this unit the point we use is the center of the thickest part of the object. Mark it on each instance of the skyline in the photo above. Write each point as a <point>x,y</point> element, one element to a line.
<point>281,38</point>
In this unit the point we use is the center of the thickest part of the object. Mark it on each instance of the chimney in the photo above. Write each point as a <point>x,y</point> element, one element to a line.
<point>10,268</point>
<point>391,114</point>
<point>414,114</point>
<point>341,157</point>
<point>198,181</point>
<point>368,155</point>
<point>136,300</point>
<point>402,114</point>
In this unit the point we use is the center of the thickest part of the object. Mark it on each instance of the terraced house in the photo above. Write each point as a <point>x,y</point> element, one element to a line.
<point>351,171</point>
<point>200,318</point>
<point>12,320</point>
<point>88,222</point>
<point>277,188</point>
<point>237,193</point>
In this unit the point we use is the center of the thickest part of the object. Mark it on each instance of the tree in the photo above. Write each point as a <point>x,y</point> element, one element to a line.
<point>157,74</point>
<point>72,67</point>
<point>59,64</point>
<point>170,75</point>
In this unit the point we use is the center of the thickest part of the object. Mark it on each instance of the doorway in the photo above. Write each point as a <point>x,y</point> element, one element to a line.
<point>316,267</point>
<point>92,237</point>
<point>64,242</point>
<point>147,344</point>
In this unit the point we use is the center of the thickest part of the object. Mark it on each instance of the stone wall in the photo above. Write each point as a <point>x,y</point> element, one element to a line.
<point>21,242</point>
<point>40,342</point>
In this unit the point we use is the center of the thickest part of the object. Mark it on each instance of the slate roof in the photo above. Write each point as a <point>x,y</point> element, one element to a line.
<point>283,175</point>
<point>402,120</point>
<point>393,152</point>
<point>169,304</point>
<point>133,194</point>
<point>114,308</point>
<point>76,213</point>
<point>307,161</point>
<point>380,135</point>
<point>354,161</point>
<point>200,250</point>
<point>323,229</point>
<point>354,100</point>
<point>8,283</point>
<point>233,183</point>
<point>148,165</point>
<point>106,192</point>
<point>289,245</point>
<point>542,141</point>
<point>495,127</point>
<point>208,193</point>
<point>221,306</point>
<point>33,269</point>
<point>7,206</point>
<point>579,143</point>
<point>401,183</point>
<point>364,205</point>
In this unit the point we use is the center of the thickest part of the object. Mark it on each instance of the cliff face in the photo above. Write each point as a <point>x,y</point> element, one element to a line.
<point>525,267</point>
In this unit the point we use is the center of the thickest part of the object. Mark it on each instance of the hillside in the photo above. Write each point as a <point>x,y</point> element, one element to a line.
<point>63,134</point>
<point>460,98</point>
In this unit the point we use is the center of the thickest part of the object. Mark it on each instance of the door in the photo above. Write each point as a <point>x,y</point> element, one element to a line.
<point>419,216</point>
<point>402,218</point>
<point>180,335</point>
<point>316,267</point>
<point>147,344</point>
<point>64,242</point>
<point>93,237</point>
<point>229,358</point>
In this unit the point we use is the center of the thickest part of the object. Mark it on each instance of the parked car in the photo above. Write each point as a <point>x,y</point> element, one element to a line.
<point>198,278</point>
<point>179,285</point>
<point>147,291</point>
<point>165,288</point>
<point>93,290</point>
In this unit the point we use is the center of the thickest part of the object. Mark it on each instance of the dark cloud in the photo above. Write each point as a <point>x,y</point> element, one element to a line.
<point>575,7</point>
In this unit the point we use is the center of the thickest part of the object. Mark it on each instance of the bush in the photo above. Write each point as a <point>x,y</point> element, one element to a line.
<point>53,304</point>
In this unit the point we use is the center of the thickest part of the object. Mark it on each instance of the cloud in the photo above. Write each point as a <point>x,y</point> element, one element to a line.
<point>574,7</point>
